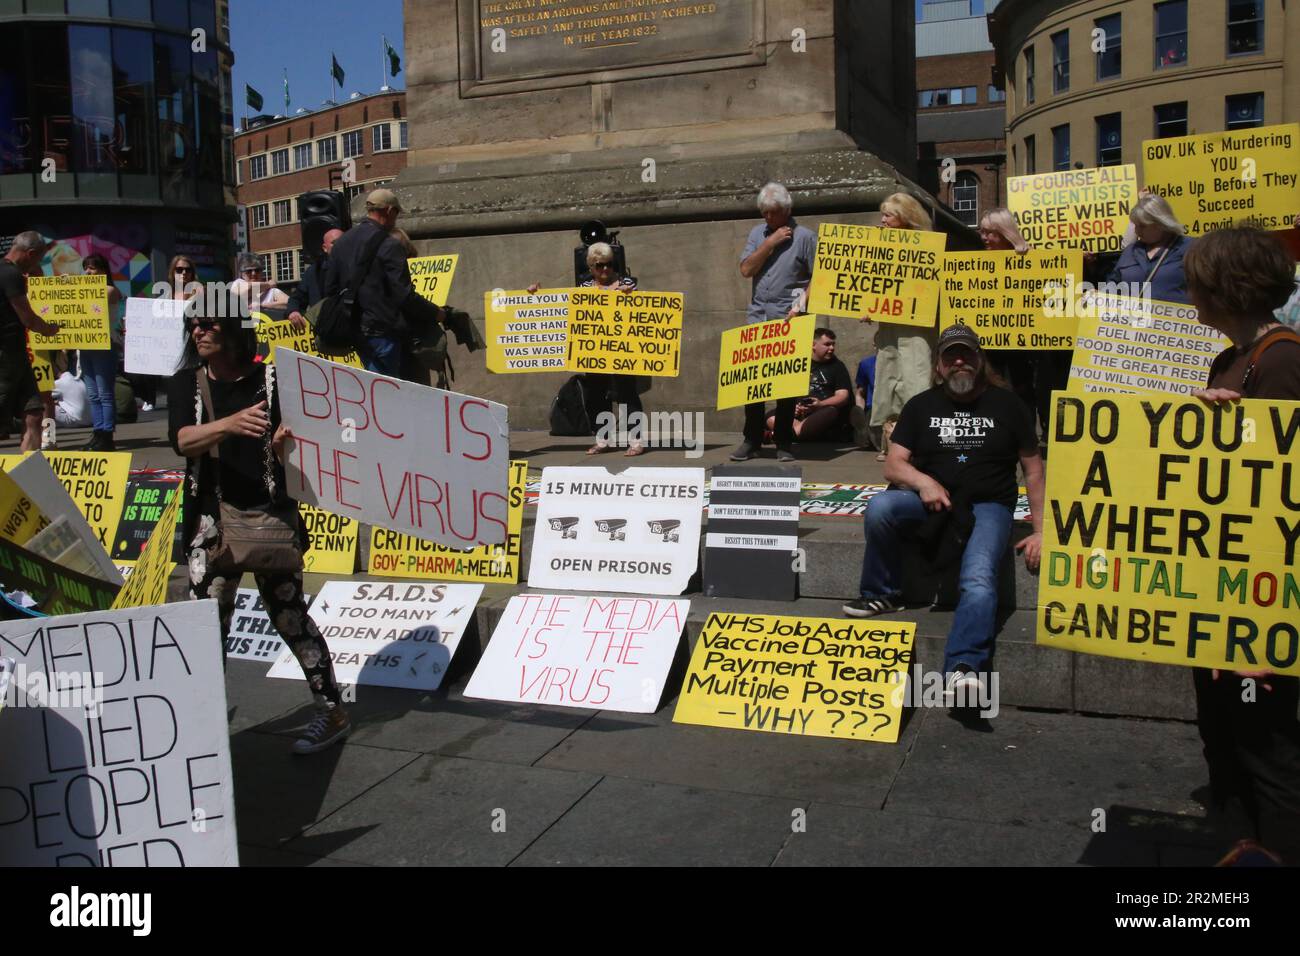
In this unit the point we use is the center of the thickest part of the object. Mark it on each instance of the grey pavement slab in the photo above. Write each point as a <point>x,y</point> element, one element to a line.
<point>252,699</point>
<point>250,855</point>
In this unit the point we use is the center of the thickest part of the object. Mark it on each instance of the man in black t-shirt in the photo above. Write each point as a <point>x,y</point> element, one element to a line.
<point>19,394</point>
<point>953,456</point>
<point>830,392</point>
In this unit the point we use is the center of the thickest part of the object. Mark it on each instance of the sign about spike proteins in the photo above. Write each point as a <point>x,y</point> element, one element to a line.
<point>765,361</point>
<point>1172,532</point>
<point>887,275</point>
<point>78,305</point>
<point>527,331</point>
<point>815,677</point>
<point>432,275</point>
<point>1222,179</point>
<point>1074,208</point>
<point>626,333</point>
<point>1003,297</point>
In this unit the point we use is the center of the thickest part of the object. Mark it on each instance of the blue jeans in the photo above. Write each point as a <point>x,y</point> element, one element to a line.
<point>892,513</point>
<point>99,373</point>
<point>381,355</point>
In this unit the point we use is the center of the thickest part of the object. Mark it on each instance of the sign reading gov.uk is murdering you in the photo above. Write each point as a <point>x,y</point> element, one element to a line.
<point>637,531</point>
<point>407,457</point>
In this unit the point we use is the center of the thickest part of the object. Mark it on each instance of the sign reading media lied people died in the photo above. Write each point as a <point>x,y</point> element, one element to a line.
<point>1074,208</point>
<point>1002,297</point>
<point>1172,531</point>
<point>765,361</point>
<point>78,305</point>
<point>886,275</point>
<point>117,751</point>
<point>391,453</point>
<point>636,531</point>
<point>625,333</point>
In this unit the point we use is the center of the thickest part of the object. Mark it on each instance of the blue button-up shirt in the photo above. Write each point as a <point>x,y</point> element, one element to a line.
<point>783,275</point>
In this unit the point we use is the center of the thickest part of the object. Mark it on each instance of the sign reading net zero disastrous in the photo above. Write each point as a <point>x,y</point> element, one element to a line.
<point>1001,295</point>
<point>77,304</point>
<point>129,765</point>
<point>1220,179</point>
<point>765,361</point>
<point>1172,532</point>
<point>432,275</point>
<point>887,275</point>
<point>571,650</point>
<point>1075,208</point>
<point>816,677</point>
<point>626,333</point>
<point>275,331</point>
<point>527,332</point>
<point>1137,345</point>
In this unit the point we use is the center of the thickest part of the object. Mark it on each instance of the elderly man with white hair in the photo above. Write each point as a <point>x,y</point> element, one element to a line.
<point>779,259</point>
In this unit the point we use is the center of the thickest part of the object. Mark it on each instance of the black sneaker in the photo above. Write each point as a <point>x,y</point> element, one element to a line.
<point>744,451</point>
<point>784,454</point>
<point>872,608</point>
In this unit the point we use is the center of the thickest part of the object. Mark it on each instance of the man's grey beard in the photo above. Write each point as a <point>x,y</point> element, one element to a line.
<point>961,382</point>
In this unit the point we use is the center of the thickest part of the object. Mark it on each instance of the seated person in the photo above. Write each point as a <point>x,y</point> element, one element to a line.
<point>71,403</point>
<point>953,460</point>
<point>830,392</point>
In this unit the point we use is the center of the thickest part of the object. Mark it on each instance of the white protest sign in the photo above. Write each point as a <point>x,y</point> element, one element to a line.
<point>572,650</point>
<point>155,336</point>
<point>252,635</point>
<point>389,634</point>
<point>406,457</point>
<point>116,748</point>
<point>638,531</point>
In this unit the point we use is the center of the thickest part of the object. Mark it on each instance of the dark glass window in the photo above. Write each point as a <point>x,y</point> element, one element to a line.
<point>94,122</point>
<point>135,9</point>
<point>1245,27</point>
<point>1061,147</point>
<point>133,98</point>
<point>207,126</point>
<point>1245,110</point>
<point>966,197</point>
<point>203,15</point>
<point>1029,74</point>
<point>1171,33</point>
<point>16,127</point>
<point>51,102</point>
<point>172,13</point>
<point>1109,59</point>
<point>1061,61</point>
<point>1171,120</point>
<point>996,95</point>
<point>173,94</point>
<point>1031,155</point>
<point>88,8</point>
<point>1110,143</point>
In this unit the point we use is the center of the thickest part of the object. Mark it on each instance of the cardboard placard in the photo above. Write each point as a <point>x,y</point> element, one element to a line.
<point>42,368</point>
<point>97,482</point>
<point>147,497</point>
<point>1074,208</point>
<point>571,650</point>
<point>252,635</point>
<point>20,516</point>
<point>275,331</point>
<point>1171,532</point>
<point>815,677</point>
<point>765,361</point>
<point>637,531</point>
<point>147,584</point>
<point>527,332</point>
<point>1001,295</point>
<point>432,275</point>
<point>625,333</point>
<point>752,540</point>
<point>154,331</point>
<point>331,541</point>
<point>77,304</point>
<point>56,590</point>
<point>887,275</point>
<point>79,544</point>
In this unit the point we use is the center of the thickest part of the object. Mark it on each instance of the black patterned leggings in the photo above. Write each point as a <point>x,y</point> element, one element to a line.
<point>285,605</point>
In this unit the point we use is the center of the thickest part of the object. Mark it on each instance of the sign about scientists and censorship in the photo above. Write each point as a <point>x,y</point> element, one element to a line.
<point>277,332</point>
<point>252,635</point>
<point>1074,208</point>
<point>116,747</point>
<point>388,634</point>
<point>147,584</point>
<point>887,275</point>
<point>1126,344</point>
<point>626,333</point>
<point>637,531</point>
<point>527,332</point>
<point>1001,295</point>
<point>154,335</point>
<point>1172,532</point>
<point>96,482</point>
<point>765,361</point>
<point>1221,179</point>
<point>331,541</point>
<point>394,554</point>
<point>391,453</point>
<point>751,546</point>
<point>77,304</point>
<point>432,275</point>
<point>147,497</point>
<point>571,650</point>
<point>816,677</point>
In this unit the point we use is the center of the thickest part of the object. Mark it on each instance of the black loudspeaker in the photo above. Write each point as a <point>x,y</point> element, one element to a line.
<point>318,213</point>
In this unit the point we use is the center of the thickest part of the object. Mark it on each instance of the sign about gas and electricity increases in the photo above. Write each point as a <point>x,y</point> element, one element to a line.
<point>1172,530</point>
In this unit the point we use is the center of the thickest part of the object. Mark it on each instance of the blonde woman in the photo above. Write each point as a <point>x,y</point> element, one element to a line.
<point>999,232</point>
<point>1155,261</point>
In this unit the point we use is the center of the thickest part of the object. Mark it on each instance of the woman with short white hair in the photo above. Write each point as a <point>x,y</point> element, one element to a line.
<point>1154,263</point>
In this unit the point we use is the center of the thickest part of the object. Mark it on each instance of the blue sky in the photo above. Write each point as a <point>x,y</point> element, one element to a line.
<point>269,36</point>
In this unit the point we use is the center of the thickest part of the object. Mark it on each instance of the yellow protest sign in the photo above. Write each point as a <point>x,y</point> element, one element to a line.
<point>625,333</point>
<point>96,481</point>
<point>147,585</point>
<point>280,332</point>
<point>332,541</point>
<point>397,555</point>
<point>1172,530</point>
<point>42,368</point>
<point>1074,208</point>
<point>765,361</point>
<point>815,677</point>
<point>1127,344</point>
<point>1217,180</point>
<point>887,275</point>
<point>432,276</point>
<point>20,518</point>
<point>1001,295</point>
<point>78,304</point>
<point>527,331</point>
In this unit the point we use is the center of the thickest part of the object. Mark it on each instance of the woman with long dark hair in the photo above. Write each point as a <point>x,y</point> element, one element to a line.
<point>99,366</point>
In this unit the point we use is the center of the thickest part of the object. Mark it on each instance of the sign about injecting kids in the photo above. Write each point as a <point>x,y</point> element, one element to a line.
<point>765,361</point>
<point>1074,208</point>
<point>117,751</point>
<point>391,453</point>
<point>1221,179</point>
<point>1003,297</point>
<point>886,275</point>
<point>572,650</point>
<point>1172,531</point>
<point>625,333</point>
<point>814,677</point>
<point>527,331</point>
<point>77,304</point>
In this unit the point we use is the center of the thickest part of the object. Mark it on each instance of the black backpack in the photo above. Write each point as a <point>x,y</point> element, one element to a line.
<point>569,409</point>
<point>336,319</point>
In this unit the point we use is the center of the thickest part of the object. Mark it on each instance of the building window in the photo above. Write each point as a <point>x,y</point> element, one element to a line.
<point>239,172</point>
<point>1171,120</point>
<point>302,156</point>
<point>1110,143</point>
<point>352,144</point>
<point>1171,33</point>
<point>403,135</point>
<point>1245,110</point>
<point>1109,63</point>
<point>261,213</point>
<point>996,95</point>
<point>355,191</point>
<point>327,150</point>
<point>1029,74</point>
<point>381,137</point>
<point>282,212</point>
<point>257,167</point>
<point>1061,61</point>
<point>284,266</point>
<point>301,264</point>
<point>1031,155</point>
<point>966,198</point>
<point>265,259</point>
<point>1061,147</point>
<point>1245,27</point>
<point>279,162</point>
<point>953,96</point>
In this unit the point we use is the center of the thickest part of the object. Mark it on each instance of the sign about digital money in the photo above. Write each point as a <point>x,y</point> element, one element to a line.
<point>811,676</point>
<point>626,333</point>
<point>765,361</point>
<point>1127,344</point>
<point>1172,530</point>
<point>1074,208</point>
<point>388,634</point>
<point>432,275</point>
<point>887,275</point>
<point>572,650</point>
<point>527,331</point>
<point>275,331</point>
<point>1002,296</point>
<point>77,304</point>
<point>637,531</point>
<point>1220,179</point>
<point>394,554</point>
<point>751,548</point>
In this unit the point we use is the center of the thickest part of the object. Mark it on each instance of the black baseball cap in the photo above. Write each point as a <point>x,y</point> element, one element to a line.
<point>958,335</point>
